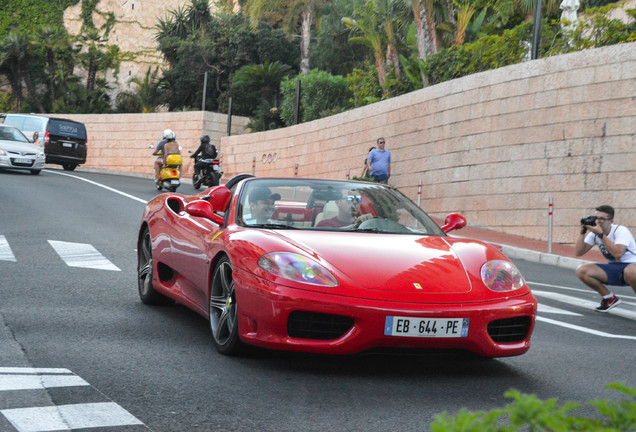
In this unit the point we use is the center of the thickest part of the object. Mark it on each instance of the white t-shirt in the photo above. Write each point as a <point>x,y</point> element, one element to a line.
<point>619,235</point>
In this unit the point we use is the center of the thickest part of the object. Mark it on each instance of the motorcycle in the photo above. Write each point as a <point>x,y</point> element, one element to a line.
<point>170,174</point>
<point>209,173</point>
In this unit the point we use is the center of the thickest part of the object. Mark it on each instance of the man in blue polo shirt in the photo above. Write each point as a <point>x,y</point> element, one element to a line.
<point>379,162</point>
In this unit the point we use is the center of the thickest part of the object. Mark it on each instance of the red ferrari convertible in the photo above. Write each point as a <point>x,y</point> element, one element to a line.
<point>329,266</point>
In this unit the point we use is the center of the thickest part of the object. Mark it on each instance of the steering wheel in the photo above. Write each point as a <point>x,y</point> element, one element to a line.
<point>383,225</point>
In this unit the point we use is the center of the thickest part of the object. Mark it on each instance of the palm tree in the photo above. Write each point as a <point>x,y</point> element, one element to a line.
<point>148,90</point>
<point>368,28</point>
<point>292,12</point>
<point>266,78</point>
<point>465,12</point>
<point>15,57</point>
<point>52,40</point>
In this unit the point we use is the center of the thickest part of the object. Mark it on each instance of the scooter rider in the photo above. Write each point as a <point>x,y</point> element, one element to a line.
<point>166,147</point>
<point>207,150</point>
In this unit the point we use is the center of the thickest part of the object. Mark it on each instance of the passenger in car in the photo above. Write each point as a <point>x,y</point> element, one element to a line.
<point>348,210</point>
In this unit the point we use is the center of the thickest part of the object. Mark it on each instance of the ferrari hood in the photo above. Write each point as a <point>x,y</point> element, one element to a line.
<point>395,263</point>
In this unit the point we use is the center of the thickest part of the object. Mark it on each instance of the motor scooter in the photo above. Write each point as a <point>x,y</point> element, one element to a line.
<point>209,173</point>
<point>170,174</point>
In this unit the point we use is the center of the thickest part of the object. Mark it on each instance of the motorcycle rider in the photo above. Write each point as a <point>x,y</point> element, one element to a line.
<point>166,147</point>
<point>207,150</point>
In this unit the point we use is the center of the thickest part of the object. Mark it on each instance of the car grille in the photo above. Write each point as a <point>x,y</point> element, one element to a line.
<point>24,162</point>
<point>319,326</point>
<point>509,329</point>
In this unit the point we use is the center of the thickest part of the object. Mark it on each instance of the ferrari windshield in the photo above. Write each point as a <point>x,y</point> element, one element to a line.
<point>330,205</point>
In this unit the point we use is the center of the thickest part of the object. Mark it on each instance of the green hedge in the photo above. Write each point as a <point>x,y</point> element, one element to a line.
<point>322,95</point>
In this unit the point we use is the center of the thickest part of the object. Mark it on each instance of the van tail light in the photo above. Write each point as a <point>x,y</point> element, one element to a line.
<point>86,143</point>
<point>47,138</point>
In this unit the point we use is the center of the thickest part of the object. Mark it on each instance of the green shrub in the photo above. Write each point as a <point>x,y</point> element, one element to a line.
<point>529,413</point>
<point>321,95</point>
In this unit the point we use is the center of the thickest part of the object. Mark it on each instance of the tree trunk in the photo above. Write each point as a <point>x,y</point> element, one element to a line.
<point>381,67</point>
<point>92,75</point>
<point>305,38</point>
<point>423,37</point>
<point>392,55</point>
<point>51,62</point>
<point>31,89</point>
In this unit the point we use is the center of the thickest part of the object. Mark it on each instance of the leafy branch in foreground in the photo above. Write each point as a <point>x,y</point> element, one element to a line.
<point>529,413</point>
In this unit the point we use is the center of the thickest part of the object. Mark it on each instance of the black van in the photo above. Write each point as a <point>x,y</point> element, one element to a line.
<point>64,140</point>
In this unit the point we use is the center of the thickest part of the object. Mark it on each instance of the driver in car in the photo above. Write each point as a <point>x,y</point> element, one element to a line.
<point>262,202</point>
<point>348,210</point>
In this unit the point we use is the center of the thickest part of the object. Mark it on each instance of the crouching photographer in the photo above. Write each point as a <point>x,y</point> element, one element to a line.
<point>618,246</point>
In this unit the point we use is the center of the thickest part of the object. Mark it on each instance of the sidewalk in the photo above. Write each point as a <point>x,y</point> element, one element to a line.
<point>529,249</point>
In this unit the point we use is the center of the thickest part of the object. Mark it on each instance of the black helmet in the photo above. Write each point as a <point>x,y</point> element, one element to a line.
<point>205,139</point>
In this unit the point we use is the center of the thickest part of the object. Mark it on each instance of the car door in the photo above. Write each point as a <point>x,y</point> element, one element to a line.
<point>192,241</point>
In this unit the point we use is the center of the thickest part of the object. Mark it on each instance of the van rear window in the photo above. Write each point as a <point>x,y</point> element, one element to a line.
<point>67,128</point>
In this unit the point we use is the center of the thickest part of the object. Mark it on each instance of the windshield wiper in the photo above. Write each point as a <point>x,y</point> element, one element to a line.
<point>272,226</point>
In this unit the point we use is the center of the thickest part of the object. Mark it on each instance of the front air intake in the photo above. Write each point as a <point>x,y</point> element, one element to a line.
<point>317,326</point>
<point>509,330</point>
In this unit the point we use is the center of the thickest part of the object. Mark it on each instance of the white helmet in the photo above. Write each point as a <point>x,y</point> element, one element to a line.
<point>169,134</point>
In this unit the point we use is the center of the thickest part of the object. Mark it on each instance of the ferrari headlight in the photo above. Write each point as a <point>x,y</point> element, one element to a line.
<point>297,268</point>
<point>501,276</point>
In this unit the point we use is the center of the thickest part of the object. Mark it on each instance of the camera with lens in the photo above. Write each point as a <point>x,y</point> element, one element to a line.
<point>589,221</point>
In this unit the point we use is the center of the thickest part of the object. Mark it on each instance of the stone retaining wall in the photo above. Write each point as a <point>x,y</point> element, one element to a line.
<point>119,142</point>
<point>494,146</point>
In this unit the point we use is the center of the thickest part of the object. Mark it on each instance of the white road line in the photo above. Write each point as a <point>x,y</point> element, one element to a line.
<point>25,370</point>
<point>623,296</point>
<point>101,186</point>
<point>82,255</point>
<point>622,312</point>
<point>549,309</point>
<point>584,329</point>
<point>69,417</point>
<point>5,250</point>
<point>39,382</point>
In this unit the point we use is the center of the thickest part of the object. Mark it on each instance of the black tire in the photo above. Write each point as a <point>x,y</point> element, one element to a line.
<point>224,310</point>
<point>35,172</point>
<point>69,166</point>
<point>216,179</point>
<point>196,181</point>
<point>147,292</point>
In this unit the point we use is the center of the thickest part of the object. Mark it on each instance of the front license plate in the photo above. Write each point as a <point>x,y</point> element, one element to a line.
<point>426,327</point>
<point>23,161</point>
<point>174,182</point>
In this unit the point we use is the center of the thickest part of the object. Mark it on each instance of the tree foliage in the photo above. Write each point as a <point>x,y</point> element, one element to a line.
<point>322,94</point>
<point>219,45</point>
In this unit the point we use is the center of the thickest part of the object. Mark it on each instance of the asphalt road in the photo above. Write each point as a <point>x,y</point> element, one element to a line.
<point>155,368</point>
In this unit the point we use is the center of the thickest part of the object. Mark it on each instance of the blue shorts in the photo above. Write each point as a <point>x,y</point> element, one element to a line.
<point>380,178</point>
<point>614,272</point>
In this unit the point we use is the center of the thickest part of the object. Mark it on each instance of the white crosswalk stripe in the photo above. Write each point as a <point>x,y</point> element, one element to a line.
<point>82,255</point>
<point>64,417</point>
<point>5,250</point>
<point>69,417</point>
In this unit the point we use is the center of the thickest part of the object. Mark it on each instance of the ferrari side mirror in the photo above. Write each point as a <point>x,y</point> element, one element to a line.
<point>202,208</point>
<point>454,221</point>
